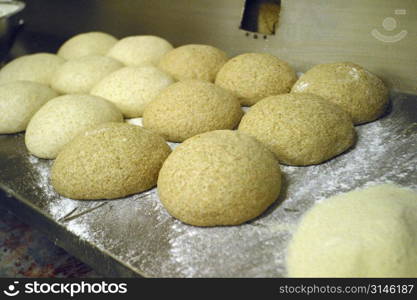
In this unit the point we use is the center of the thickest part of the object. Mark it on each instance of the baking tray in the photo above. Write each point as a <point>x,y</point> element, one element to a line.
<point>135,236</point>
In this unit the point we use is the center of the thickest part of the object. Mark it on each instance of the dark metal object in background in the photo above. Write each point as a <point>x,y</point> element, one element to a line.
<point>10,25</point>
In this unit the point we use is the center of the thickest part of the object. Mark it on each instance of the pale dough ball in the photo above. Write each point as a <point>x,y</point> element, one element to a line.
<point>132,88</point>
<point>363,233</point>
<point>187,108</point>
<point>301,129</point>
<point>89,43</point>
<point>220,177</point>
<point>363,95</point>
<point>111,160</point>
<point>254,76</point>
<point>39,67</point>
<point>79,75</point>
<point>64,117</point>
<point>19,101</point>
<point>140,50</point>
<point>193,62</point>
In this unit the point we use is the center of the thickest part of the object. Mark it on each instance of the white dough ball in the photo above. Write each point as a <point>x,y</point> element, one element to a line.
<point>88,43</point>
<point>79,75</point>
<point>39,67</point>
<point>19,101</point>
<point>63,118</point>
<point>140,50</point>
<point>363,233</point>
<point>132,88</point>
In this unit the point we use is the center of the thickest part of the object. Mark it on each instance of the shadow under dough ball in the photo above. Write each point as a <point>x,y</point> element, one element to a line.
<point>109,161</point>
<point>362,94</point>
<point>301,129</point>
<point>221,177</point>
<point>190,107</point>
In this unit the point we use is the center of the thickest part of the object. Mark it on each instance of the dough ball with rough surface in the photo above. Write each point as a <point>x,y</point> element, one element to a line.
<point>221,177</point>
<point>193,62</point>
<point>109,161</point>
<point>187,108</point>
<point>132,88</point>
<point>254,76</point>
<point>88,43</point>
<point>301,129</point>
<point>39,67</point>
<point>362,94</point>
<point>370,232</point>
<point>140,50</point>
<point>19,101</point>
<point>79,75</point>
<point>64,117</point>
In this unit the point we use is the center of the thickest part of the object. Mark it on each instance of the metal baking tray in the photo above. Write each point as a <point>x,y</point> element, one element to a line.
<point>135,236</point>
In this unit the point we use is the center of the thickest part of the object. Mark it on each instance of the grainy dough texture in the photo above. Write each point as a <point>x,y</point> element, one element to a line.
<point>88,43</point>
<point>132,88</point>
<point>193,62</point>
<point>301,129</point>
<point>187,108</point>
<point>363,233</point>
<point>39,67</point>
<point>140,50</point>
<point>109,161</point>
<point>254,76</point>
<point>63,118</point>
<point>19,101</point>
<point>362,94</point>
<point>79,75</point>
<point>220,177</point>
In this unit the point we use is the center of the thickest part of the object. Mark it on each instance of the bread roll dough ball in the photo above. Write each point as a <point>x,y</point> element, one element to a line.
<point>140,50</point>
<point>79,75</point>
<point>112,160</point>
<point>89,43</point>
<point>19,100</point>
<point>221,177</point>
<point>132,88</point>
<point>254,76</point>
<point>193,62</point>
<point>187,108</point>
<point>301,129</point>
<point>38,67</point>
<point>363,233</point>
<point>64,117</point>
<point>363,95</point>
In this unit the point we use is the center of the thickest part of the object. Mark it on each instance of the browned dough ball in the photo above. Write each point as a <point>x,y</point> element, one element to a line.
<point>193,62</point>
<point>359,92</point>
<point>187,108</point>
<point>220,177</point>
<point>254,76</point>
<point>301,129</point>
<point>111,160</point>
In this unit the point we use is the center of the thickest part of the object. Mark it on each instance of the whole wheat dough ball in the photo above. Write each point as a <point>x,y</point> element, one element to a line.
<point>193,62</point>
<point>140,50</point>
<point>221,177</point>
<point>254,76</point>
<point>132,88</point>
<point>111,160</point>
<point>190,107</point>
<point>88,43</point>
<point>79,75</point>
<point>301,129</point>
<point>64,117</point>
<point>369,232</point>
<point>39,67</point>
<point>363,95</point>
<point>19,101</point>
